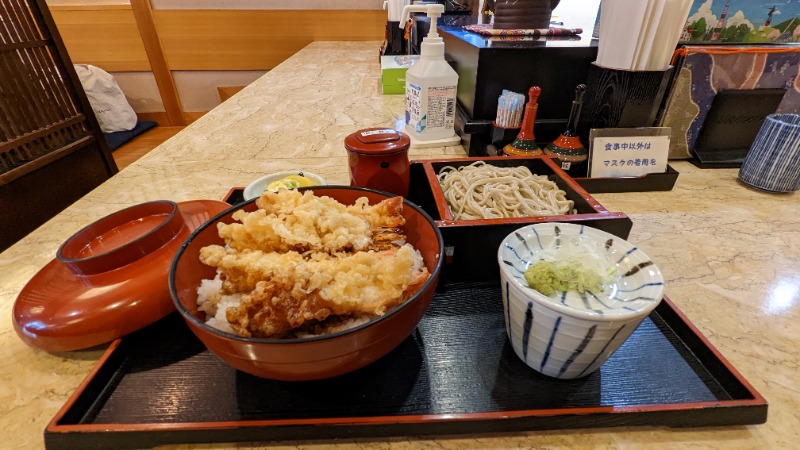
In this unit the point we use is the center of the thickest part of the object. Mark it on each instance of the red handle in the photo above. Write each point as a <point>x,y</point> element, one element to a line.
<point>533,94</point>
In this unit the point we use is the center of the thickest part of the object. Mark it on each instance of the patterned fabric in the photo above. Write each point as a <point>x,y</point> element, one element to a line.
<point>701,72</point>
<point>488,30</point>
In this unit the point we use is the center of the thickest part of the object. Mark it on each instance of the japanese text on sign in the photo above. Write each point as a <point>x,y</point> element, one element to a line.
<point>628,156</point>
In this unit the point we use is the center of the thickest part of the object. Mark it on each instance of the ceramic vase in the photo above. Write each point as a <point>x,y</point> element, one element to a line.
<point>523,14</point>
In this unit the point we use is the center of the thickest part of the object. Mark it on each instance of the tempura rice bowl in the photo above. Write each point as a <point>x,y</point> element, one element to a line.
<point>314,357</point>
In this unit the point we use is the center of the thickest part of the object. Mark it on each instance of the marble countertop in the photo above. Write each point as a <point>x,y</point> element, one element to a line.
<point>730,254</point>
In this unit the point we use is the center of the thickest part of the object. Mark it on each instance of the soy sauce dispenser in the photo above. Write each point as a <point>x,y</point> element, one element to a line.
<point>568,148</point>
<point>525,143</point>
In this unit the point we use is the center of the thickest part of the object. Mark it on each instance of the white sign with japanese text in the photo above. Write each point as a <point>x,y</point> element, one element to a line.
<point>628,156</point>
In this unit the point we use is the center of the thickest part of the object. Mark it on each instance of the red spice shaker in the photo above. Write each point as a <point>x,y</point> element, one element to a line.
<point>378,159</point>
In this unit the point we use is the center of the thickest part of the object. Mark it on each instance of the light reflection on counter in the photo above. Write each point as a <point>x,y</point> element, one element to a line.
<point>783,296</point>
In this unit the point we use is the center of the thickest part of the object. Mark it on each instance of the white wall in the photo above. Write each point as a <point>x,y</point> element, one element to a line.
<point>141,90</point>
<point>577,13</point>
<point>198,89</point>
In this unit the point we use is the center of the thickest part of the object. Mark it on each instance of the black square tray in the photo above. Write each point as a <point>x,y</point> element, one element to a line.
<point>650,182</point>
<point>455,374</point>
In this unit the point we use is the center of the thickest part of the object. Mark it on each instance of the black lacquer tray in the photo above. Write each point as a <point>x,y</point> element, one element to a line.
<point>664,181</point>
<point>456,374</point>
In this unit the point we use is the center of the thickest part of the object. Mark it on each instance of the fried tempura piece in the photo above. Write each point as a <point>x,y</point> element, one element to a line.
<point>242,270</point>
<point>284,290</point>
<point>386,214</point>
<point>288,220</point>
<point>385,218</point>
<point>300,259</point>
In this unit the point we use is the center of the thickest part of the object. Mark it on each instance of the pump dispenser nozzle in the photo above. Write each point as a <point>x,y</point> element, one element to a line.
<point>432,11</point>
<point>432,44</point>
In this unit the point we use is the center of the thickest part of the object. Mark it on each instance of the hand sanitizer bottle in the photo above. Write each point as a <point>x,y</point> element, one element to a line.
<point>430,84</point>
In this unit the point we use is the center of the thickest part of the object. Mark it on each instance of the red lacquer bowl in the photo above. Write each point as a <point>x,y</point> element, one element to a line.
<point>315,357</point>
<point>110,278</point>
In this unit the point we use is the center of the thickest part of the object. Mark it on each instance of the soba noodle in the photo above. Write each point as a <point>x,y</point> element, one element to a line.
<point>484,191</point>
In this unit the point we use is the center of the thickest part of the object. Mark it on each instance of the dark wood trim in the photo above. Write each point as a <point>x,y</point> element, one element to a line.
<point>23,45</point>
<point>22,140</point>
<point>53,151</point>
<point>65,68</point>
<point>42,161</point>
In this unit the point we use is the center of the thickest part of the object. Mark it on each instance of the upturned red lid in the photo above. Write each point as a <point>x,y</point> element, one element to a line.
<point>377,141</point>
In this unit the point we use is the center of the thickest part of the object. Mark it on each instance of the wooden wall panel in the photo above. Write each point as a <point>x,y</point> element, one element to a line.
<point>109,36</point>
<point>255,40</point>
<point>106,37</point>
<point>143,13</point>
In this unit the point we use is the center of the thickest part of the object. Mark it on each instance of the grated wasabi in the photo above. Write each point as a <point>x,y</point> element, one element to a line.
<point>575,265</point>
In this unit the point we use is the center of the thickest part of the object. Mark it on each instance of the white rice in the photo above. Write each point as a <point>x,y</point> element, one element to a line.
<point>210,301</point>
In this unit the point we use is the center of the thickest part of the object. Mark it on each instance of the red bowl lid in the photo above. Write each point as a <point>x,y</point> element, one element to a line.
<point>122,237</point>
<point>377,141</point>
<point>110,278</point>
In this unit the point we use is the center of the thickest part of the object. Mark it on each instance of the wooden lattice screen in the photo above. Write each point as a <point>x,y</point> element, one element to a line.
<point>48,133</point>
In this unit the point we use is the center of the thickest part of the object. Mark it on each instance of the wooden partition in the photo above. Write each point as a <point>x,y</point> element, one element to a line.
<point>51,148</point>
<point>136,38</point>
<point>255,40</point>
<point>105,36</point>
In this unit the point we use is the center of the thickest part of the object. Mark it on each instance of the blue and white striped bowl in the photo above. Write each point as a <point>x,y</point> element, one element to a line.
<point>570,335</point>
<point>773,161</point>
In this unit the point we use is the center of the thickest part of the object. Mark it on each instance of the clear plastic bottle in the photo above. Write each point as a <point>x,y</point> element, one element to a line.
<point>430,85</point>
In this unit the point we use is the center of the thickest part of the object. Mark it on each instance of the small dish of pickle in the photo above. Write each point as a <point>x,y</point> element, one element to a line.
<point>289,179</point>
